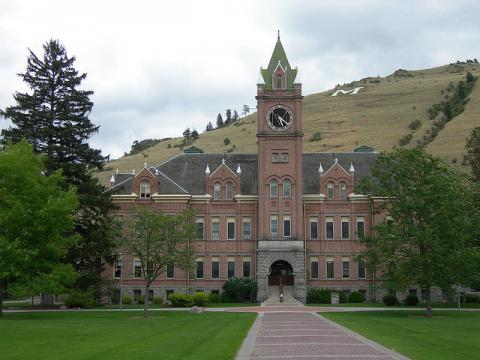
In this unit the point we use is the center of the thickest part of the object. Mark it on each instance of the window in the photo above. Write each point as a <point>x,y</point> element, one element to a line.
<point>215,268</point>
<point>287,188</point>
<point>360,227</point>
<point>200,228</point>
<point>117,268</point>
<point>314,267</point>
<point>230,228</point>
<point>346,268</point>
<point>137,294</point>
<point>246,267</point>
<point>362,273</point>
<point>170,271</point>
<point>345,228</point>
<point>137,268</point>
<point>330,190</point>
<point>215,292</point>
<point>229,191</point>
<point>145,189</point>
<point>330,268</point>
<point>342,191</point>
<point>246,229</point>
<point>313,228</point>
<point>329,228</point>
<point>412,292</point>
<point>199,268</point>
<point>275,157</point>
<point>230,267</point>
<point>217,192</point>
<point>215,228</point>
<point>423,295</point>
<point>279,81</point>
<point>364,293</point>
<point>273,188</point>
<point>284,157</point>
<point>287,226</point>
<point>169,292</point>
<point>150,268</point>
<point>274,225</point>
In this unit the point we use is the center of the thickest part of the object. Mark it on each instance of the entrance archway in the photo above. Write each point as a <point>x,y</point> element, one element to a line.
<point>281,273</point>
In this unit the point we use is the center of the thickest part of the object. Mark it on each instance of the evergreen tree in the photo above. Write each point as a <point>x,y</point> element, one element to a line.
<point>209,126</point>
<point>219,121</point>
<point>54,118</point>
<point>235,116</point>
<point>194,135</point>
<point>187,134</point>
<point>228,116</point>
<point>473,152</point>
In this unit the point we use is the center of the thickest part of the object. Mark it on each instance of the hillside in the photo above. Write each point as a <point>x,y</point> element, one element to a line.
<point>378,115</point>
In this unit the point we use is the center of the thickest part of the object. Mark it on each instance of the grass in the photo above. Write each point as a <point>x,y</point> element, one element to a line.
<point>447,335</point>
<point>381,305</point>
<point>379,115</point>
<point>122,335</point>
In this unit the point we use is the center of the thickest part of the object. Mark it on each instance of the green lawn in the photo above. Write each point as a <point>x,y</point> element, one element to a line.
<point>447,335</point>
<point>122,335</point>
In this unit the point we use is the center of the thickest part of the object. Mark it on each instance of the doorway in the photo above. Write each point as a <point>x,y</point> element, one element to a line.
<point>281,273</point>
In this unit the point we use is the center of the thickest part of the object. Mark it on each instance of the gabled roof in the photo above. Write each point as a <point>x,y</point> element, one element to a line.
<point>364,148</point>
<point>193,150</point>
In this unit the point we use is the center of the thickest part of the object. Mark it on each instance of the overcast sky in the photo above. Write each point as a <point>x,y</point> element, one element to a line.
<point>157,67</point>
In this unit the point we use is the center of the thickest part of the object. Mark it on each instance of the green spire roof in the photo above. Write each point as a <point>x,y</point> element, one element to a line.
<point>279,55</point>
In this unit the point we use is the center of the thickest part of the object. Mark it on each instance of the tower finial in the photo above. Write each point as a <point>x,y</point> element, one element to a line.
<point>278,35</point>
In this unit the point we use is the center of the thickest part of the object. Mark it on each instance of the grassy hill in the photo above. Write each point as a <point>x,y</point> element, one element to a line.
<point>378,116</point>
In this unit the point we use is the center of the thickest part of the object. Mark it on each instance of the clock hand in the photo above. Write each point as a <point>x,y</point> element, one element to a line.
<point>282,121</point>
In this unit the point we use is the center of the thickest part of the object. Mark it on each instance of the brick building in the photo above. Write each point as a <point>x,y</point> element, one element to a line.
<point>277,215</point>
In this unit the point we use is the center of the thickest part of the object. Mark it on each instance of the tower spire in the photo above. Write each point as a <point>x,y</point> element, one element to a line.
<point>278,35</point>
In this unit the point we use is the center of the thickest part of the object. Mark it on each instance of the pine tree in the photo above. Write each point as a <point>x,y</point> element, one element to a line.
<point>209,126</point>
<point>54,118</point>
<point>235,116</point>
<point>219,121</point>
<point>194,135</point>
<point>228,116</point>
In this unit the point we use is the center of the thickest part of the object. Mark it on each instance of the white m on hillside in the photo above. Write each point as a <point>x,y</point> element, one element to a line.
<point>353,91</point>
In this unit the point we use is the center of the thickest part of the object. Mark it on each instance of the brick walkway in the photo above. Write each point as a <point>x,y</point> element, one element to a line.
<point>296,335</point>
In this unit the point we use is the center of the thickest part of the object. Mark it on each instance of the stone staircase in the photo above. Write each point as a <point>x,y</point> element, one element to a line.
<point>274,298</point>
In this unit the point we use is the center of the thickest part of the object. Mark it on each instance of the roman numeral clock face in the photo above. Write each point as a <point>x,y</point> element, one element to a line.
<point>279,118</point>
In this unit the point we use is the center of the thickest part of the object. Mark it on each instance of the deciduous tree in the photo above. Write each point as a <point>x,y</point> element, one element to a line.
<point>157,240</point>
<point>36,222</point>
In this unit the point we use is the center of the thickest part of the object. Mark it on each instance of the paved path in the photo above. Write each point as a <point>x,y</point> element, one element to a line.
<point>307,336</point>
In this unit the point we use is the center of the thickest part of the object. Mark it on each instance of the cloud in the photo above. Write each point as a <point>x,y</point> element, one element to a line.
<point>159,67</point>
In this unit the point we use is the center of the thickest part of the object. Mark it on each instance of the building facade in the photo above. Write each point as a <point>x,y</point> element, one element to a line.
<point>280,215</point>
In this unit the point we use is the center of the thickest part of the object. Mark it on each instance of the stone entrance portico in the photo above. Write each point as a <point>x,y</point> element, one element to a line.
<point>268,253</point>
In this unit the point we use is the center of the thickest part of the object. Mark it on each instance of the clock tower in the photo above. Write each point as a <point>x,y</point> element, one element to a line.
<point>280,180</point>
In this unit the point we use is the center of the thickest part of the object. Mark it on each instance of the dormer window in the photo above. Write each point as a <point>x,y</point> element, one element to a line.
<point>330,190</point>
<point>145,189</point>
<point>229,191</point>
<point>279,81</point>
<point>217,191</point>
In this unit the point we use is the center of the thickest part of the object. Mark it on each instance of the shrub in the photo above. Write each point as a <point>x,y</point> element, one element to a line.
<point>390,300</point>
<point>80,299</point>
<point>411,300</point>
<point>415,124</point>
<point>342,298</point>
<point>181,300</point>
<point>157,300</point>
<point>226,141</point>
<point>319,296</point>
<point>200,299</point>
<point>355,297</point>
<point>214,298</point>
<point>470,298</point>
<point>126,300</point>
<point>405,140</point>
<point>240,289</point>
<point>141,300</point>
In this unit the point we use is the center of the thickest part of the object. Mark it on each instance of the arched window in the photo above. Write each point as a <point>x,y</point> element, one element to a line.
<point>274,188</point>
<point>145,189</point>
<point>330,190</point>
<point>229,191</point>
<point>342,191</point>
<point>279,81</point>
<point>287,188</point>
<point>217,192</point>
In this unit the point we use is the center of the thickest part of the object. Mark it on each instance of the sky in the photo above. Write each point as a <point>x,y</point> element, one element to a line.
<point>158,67</point>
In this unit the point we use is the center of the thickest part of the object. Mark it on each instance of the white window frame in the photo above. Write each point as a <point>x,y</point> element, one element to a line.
<point>200,220</point>
<point>214,260</point>
<point>230,220</point>
<point>244,235</point>
<point>343,220</point>
<point>314,259</point>
<point>313,220</point>
<point>329,260</point>
<point>273,188</point>
<point>246,259</point>
<point>166,272</point>
<point>346,260</point>
<point>118,265</point>
<point>329,219</point>
<point>215,234</point>
<point>145,189</point>
<point>360,220</point>
<point>342,190</point>
<point>217,191</point>
<point>287,218</point>
<point>137,261</point>
<point>229,191</point>
<point>273,218</point>
<point>288,187</point>
<point>358,269</point>
<point>197,260</point>
<point>231,260</point>
<point>330,190</point>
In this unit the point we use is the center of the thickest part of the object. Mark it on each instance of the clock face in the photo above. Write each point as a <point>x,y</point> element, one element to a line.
<point>279,118</point>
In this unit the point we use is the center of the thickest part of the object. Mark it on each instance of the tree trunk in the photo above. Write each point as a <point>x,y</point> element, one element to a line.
<point>145,302</point>
<point>429,301</point>
<point>2,290</point>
